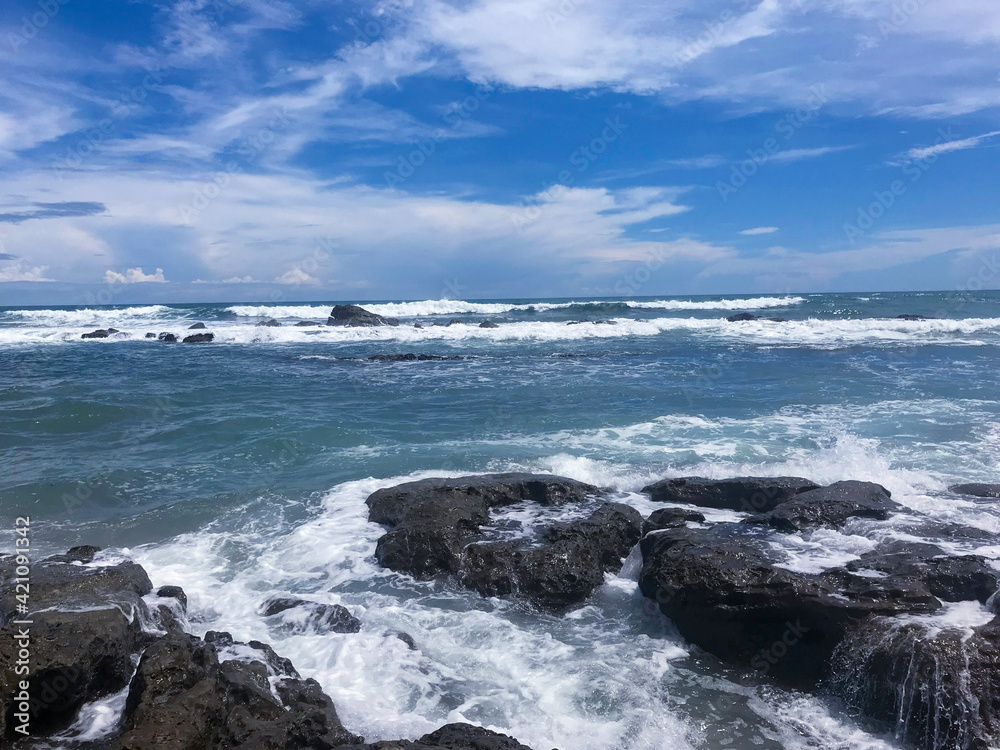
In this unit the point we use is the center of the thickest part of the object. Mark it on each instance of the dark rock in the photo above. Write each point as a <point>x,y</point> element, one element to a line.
<point>352,315</point>
<point>830,506</point>
<point>150,335</point>
<point>741,317</point>
<point>670,518</point>
<point>564,571</point>
<point>100,333</point>
<point>411,357</point>
<point>746,494</point>
<point>173,592</point>
<point>407,639</point>
<point>197,327</point>
<point>450,737</point>
<point>913,317</point>
<point>724,591</point>
<point>84,554</point>
<point>306,324</point>
<point>452,322</point>
<point>272,323</point>
<point>951,578</point>
<point>938,688</point>
<point>977,489</point>
<point>86,629</point>
<point>169,338</point>
<point>488,324</point>
<point>199,338</point>
<point>435,528</point>
<point>315,616</point>
<point>417,325</point>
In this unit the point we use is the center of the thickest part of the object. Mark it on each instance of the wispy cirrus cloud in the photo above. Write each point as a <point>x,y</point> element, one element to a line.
<point>962,144</point>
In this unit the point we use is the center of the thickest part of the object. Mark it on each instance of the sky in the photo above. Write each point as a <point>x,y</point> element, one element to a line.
<point>253,150</point>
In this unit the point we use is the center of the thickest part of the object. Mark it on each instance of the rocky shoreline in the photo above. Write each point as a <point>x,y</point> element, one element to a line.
<point>875,633</point>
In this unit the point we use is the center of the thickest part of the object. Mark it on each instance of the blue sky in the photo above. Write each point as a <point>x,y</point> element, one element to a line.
<point>264,149</point>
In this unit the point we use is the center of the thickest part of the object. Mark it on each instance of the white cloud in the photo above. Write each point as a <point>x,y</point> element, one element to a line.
<point>798,154</point>
<point>949,146</point>
<point>21,272</point>
<point>296,276</point>
<point>759,230</point>
<point>134,276</point>
<point>240,280</point>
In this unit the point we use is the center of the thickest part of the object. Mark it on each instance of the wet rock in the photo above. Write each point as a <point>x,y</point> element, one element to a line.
<point>411,357</point>
<point>199,338</point>
<point>725,591</point>
<point>745,494</point>
<point>745,317</point>
<point>436,528</point>
<point>197,327</point>
<point>272,323</point>
<point>830,506</point>
<point>100,333</point>
<point>354,316</point>
<point>417,325</point>
<point>173,592</point>
<point>488,324</point>
<point>169,338</point>
<point>450,737</point>
<point>150,335</point>
<point>306,324</point>
<point>83,554</point>
<point>452,322</point>
<point>950,578</point>
<point>670,518</point>
<point>560,573</point>
<point>938,688</point>
<point>407,639</point>
<point>87,625</point>
<point>312,616</point>
<point>913,317</point>
<point>977,489</point>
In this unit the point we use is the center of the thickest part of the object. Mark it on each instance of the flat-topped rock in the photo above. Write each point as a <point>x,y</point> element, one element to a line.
<point>744,494</point>
<point>977,489</point>
<point>355,316</point>
<point>830,506</point>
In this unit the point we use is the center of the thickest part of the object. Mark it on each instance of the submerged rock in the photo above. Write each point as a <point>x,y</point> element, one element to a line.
<point>312,616</point>
<point>830,506</point>
<point>169,338</point>
<point>100,333</point>
<point>746,494</point>
<point>410,357</point>
<point>488,324</point>
<point>354,316</point>
<point>197,327</point>
<point>436,527</point>
<point>199,338</point>
<point>913,317</point>
<point>271,323</point>
<point>306,324</point>
<point>744,317</point>
<point>977,489</point>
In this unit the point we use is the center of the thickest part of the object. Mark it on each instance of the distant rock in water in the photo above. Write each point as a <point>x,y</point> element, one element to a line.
<point>977,489</point>
<point>488,324</point>
<point>913,317</point>
<point>452,322</point>
<point>197,327</point>
<point>272,323</point>
<point>306,324</point>
<point>743,317</point>
<point>170,338</point>
<point>357,317</point>
<point>199,338</point>
<point>411,357</point>
<point>742,494</point>
<point>100,333</point>
<point>150,335</point>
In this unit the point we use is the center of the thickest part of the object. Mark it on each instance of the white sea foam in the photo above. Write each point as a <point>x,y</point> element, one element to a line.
<point>90,316</point>
<point>460,307</point>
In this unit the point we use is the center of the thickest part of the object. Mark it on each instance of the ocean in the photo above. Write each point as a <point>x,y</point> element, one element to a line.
<point>239,469</point>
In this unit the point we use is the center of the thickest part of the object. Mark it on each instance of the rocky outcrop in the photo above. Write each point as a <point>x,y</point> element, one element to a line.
<point>745,494</point>
<point>197,327</point>
<point>830,506</point>
<point>199,338</point>
<point>745,317</point>
<point>488,324</point>
<point>411,357</point>
<point>451,737</point>
<point>977,489</point>
<point>270,323</point>
<point>169,338</point>
<point>354,316</point>
<point>670,518</point>
<point>100,333</point>
<point>437,527</point>
<point>937,687</point>
<point>725,591</point>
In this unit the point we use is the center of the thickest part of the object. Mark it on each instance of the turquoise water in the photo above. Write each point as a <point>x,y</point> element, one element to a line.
<point>240,467</point>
